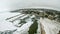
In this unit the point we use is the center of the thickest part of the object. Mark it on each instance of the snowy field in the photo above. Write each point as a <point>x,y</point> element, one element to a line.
<point>6,25</point>
<point>50,26</point>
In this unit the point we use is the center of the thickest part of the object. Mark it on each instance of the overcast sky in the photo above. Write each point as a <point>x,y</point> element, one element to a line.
<point>6,5</point>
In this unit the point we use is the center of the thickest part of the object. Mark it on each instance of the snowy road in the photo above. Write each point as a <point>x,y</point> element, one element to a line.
<point>50,26</point>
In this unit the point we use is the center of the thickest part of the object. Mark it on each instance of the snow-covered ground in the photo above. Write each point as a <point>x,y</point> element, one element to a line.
<point>50,26</point>
<point>6,25</point>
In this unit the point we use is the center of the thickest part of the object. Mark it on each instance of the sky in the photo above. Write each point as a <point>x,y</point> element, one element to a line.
<point>7,5</point>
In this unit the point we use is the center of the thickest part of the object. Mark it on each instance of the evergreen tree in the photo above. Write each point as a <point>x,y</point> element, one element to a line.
<point>33,28</point>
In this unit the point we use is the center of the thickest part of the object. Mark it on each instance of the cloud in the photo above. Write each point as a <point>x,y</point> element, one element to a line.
<point>17,4</point>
